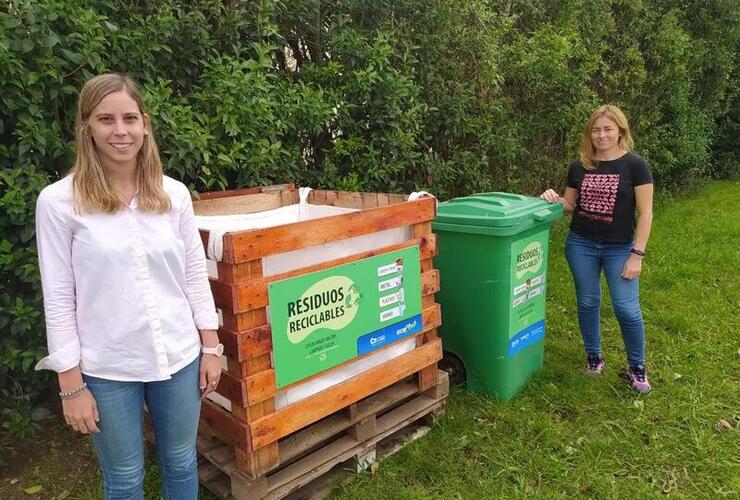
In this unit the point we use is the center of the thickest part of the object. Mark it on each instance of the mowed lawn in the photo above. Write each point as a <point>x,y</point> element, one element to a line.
<point>570,435</point>
<point>567,434</point>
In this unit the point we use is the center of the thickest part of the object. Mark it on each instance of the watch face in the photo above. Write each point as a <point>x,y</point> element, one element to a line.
<point>218,350</point>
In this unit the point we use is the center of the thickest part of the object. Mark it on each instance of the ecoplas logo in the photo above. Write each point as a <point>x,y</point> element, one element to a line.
<point>331,303</point>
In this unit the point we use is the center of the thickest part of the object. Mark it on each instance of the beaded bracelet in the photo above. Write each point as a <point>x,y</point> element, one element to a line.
<point>73,394</point>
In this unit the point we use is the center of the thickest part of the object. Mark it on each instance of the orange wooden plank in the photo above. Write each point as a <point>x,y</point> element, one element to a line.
<point>281,423</point>
<point>242,322</point>
<point>254,294</point>
<point>204,235</point>
<point>239,192</point>
<point>244,204</point>
<point>224,294</point>
<point>429,282</point>
<point>248,344</point>
<point>241,346</point>
<point>422,229</point>
<point>235,273</point>
<point>248,295</point>
<point>261,386</point>
<point>232,388</point>
<point>210,195</point>
<point>249,245</point>
<point>228,427</point>
<point>427,377</point>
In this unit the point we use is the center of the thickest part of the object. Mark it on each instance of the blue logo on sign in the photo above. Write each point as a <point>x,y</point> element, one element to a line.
<point>526,337</point>
<point>388,334</point>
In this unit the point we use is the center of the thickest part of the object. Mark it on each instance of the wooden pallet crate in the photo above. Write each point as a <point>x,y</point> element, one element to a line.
<point>253,426</point>
<point>353,440</point>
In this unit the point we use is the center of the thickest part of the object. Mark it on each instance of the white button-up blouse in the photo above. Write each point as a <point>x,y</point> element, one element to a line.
<point>124,293</point>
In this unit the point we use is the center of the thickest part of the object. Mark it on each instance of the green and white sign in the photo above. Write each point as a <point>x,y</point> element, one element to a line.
<point>527,295</point>
<point>320,320</point>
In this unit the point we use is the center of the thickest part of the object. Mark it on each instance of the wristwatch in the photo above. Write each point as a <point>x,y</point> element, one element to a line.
<point>216,351</point>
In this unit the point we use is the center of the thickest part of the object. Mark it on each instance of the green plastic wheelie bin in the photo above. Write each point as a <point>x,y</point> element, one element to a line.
<point>492,262</point>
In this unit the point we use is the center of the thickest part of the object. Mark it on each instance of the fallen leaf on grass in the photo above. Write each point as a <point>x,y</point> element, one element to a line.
<point>639,404</point>
<point>677,376</point>
<point>62,495</point>
<point>723,425</point>
<point>32,490</point>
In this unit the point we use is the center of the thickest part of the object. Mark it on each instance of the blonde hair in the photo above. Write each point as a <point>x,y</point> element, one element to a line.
<point>587,150</point>
<point>92,190</point>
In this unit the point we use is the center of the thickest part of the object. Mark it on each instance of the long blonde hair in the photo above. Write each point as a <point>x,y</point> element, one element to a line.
<point>587,150</point>
<point>92,190</point>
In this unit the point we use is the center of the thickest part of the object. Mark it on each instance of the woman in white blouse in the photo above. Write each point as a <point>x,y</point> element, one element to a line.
<point>130,318</point>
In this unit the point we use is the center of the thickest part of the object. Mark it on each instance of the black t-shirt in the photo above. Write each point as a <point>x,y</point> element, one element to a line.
<point>605,206</point>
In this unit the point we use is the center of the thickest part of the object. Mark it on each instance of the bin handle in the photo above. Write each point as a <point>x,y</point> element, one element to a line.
<point>544,215</point>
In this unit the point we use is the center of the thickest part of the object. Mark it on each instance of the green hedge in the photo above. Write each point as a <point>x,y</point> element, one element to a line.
<point>451,96</point>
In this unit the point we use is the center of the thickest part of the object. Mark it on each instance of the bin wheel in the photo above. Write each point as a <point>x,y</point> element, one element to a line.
<point>454,366</point>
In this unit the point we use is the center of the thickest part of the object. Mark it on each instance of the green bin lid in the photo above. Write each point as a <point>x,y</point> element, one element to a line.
<point>491,212</point>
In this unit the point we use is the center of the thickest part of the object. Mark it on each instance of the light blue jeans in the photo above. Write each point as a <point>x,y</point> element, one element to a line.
<point>174,408</point>
<point>587,258</point>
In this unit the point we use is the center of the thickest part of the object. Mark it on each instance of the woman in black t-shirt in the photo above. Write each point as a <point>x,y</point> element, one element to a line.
<point>605,188</point>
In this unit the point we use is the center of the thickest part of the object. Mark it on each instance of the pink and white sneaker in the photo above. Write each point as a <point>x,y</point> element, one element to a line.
<point>594,365</point>
<point>638,378</point>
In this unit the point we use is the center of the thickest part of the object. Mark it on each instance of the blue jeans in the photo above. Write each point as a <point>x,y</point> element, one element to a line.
<point>174,408</point>
<point>587,258</point>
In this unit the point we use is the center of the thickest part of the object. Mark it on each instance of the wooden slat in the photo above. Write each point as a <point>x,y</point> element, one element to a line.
<point>422,229</point>
<point>307,438</point>
<point>400,198</point>
<point>242,322</point>
<point>349,199</point>
<point>232,387</point>
<point>240,192</point>
<point>224,294</point>
<point>429,282</point>
<point>225,425</point>
<point>252,294</point>
<point>272,427</point>
<point>427,377</point>
<point>235,273</point>
<point>204,235</point>
<point>258,340</point>
<point>369,200</point>
<point>336,447</point>
<point>260,385</point>
<point>243,204</point>
<point>302,472</point>
<point>241,346</point>
<point>249,245</point>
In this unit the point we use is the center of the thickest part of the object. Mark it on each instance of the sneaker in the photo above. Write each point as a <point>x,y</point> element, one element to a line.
<point>638,378</point>
<point>594,365</point>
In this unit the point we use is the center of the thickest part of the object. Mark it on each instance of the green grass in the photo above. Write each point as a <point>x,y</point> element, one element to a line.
<point>570,435</point>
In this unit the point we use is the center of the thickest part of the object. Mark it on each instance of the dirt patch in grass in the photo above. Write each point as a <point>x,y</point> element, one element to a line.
<point>57,463</point>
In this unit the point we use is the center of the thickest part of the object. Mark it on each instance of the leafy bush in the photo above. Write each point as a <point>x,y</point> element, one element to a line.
<point>451,96</point>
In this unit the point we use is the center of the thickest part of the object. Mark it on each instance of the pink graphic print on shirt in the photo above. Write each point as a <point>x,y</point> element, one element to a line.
<point>598,196</point>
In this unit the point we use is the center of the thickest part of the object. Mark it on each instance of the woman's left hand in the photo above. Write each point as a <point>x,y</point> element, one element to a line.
<point>632,267</point>
<point>210,373</point>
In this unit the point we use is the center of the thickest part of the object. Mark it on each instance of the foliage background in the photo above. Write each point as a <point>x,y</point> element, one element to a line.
<point>451,96</point>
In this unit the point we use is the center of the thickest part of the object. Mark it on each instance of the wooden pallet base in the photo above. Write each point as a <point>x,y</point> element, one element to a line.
<point>351,440</point>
